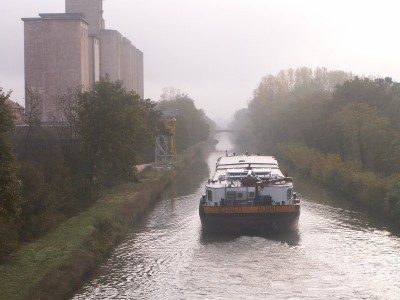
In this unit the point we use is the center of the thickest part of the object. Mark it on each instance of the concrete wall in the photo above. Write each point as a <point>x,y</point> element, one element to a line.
<point>73,49</point>
<point>127,64</point>
<point>132,67</point>
<point>110,54</point>
<point>56,58</point>
<point>94,59</point>
<point>137,78</point>
<point>116,57</point>
<point>139,70</point>
<point>93,11</point>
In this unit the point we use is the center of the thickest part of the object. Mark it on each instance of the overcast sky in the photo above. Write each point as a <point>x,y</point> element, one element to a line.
<point>217,51</point>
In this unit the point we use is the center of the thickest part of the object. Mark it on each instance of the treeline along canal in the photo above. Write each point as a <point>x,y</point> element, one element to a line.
<point>337,253</point>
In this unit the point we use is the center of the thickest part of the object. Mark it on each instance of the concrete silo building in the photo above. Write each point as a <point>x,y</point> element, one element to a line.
<point>56,58</point>
<point>73,49</point>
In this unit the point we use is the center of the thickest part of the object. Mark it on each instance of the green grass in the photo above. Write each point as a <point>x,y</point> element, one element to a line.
<point>33,261</point>
<point>31,266</point>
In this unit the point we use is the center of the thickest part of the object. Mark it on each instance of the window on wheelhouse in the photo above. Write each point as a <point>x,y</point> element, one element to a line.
<point>231,195</point>
<point>209,195</point>
<point>289,194</point>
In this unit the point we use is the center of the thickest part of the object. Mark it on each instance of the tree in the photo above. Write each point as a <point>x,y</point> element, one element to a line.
<point>192,125</point>
<point>68,104</point>
<point>32,116</point>
<point>242,125</point>
<point>365,132</point>
<point>274,109</point>
<point>9,185</point>
<point>10,200</point>
<point>115,126</point>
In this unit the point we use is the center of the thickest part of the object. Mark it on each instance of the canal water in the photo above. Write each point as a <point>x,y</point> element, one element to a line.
<point>337,253</point>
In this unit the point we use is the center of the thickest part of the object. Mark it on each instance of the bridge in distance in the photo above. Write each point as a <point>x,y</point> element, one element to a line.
<point>224,130</point>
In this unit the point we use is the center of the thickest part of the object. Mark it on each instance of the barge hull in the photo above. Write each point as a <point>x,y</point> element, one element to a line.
<point>252,222</point>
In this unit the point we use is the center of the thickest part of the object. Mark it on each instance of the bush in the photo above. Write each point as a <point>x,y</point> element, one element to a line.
<point>378,194</point>
<point>392,203</point>
<point>8,238</point>
<point>40,209</point>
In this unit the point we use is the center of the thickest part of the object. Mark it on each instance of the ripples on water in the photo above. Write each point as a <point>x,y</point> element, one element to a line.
<point>335,254</point>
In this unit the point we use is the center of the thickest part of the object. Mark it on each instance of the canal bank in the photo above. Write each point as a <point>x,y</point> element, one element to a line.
<point>58,264</point>
<point>336,253</point>
<point>376,193</point>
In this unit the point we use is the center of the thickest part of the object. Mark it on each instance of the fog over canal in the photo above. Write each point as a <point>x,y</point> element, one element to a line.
<point>336,252</point>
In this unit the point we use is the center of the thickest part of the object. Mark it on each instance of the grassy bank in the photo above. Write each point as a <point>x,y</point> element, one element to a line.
<point>56,265</point>
<point>378,193</point>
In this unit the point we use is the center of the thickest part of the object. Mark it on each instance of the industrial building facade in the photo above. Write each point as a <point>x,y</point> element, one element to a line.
<point>73,50</point>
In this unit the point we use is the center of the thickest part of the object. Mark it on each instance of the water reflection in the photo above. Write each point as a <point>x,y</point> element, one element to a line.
<point>207,237</point>
<point>336,253</point>
<point>189,180</point>
<point>291,238</point>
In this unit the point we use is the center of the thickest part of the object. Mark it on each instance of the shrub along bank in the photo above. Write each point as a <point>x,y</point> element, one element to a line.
<point>354,121</point>
<point>376,192</point>
<point>56,265</point>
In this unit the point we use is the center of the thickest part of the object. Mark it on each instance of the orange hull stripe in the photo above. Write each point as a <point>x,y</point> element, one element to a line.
<point>249,209</point>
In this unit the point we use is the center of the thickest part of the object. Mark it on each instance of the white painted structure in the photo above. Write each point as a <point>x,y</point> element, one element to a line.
<point>248,180</point>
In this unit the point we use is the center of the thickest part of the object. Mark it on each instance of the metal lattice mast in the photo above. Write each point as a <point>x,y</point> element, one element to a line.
<point>165,150</point>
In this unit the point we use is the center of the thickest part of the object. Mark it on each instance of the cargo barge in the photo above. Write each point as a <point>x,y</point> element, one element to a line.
<point>249,193</point>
